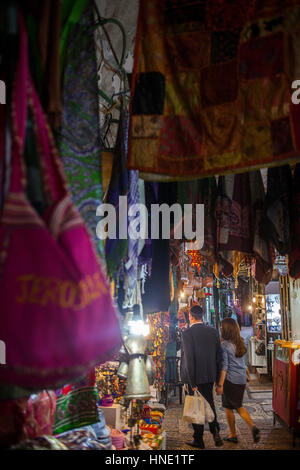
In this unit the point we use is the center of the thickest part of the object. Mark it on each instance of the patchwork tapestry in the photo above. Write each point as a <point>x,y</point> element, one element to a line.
<point>212,86</point>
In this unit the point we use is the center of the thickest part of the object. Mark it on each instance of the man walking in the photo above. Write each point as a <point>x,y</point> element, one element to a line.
<point>201,367</point>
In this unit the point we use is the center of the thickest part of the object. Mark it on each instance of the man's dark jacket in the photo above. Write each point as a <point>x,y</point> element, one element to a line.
<point>201,355</point>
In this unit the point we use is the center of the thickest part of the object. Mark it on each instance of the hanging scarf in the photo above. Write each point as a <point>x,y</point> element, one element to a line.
<point>115,250</point>
<point>263,250</point>
<point>133,245</point>
<point>275,223</point>
<point>80,147</point>
<point>202,191</point>
<point>151,197</point>
<point>234,221</point>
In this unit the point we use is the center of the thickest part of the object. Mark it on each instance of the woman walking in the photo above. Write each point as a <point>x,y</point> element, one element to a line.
<point>233,378</point>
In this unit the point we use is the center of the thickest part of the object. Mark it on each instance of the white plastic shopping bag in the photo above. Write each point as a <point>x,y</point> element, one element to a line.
<point>197,410</point>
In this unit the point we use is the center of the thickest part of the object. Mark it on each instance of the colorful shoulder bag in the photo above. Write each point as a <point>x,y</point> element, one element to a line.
<point>57,318</point>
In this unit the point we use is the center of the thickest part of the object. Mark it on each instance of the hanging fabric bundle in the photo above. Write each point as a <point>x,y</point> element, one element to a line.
<point>202,191</point>
<point>263,250</point>
<point>58,320</point>
<point>294,255</point>
<point>116,248</point>
<point>234,221</point>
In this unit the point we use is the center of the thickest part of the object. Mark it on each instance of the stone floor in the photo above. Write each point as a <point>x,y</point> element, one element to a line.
<point>257,400</point>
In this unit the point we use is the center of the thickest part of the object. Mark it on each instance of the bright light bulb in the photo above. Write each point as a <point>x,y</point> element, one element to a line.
<point>139,328</point>
<point>182,295</point>
<point>254,300</point>
<point>250,308</point>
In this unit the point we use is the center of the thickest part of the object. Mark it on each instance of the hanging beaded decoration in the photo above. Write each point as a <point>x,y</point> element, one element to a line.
<point>195,259</point>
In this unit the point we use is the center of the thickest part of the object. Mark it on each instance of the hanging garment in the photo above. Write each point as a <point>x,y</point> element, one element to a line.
<point>131,264</point>
<point>80,146</point>
<point>294,255</point>
<point>71,13</point>
<point>234,220</point>
<point>58,319</point>
<point>211,91</point>
<point>262,250</point>
<point>142,199</point>
<point>275,223</point>
<point>116,249</point>
<point>202,191</point>
<point>151,197</point>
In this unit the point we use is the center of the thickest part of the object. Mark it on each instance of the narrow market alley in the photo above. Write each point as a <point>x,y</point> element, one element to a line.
<point>150,229</point>
<point>258,402</point>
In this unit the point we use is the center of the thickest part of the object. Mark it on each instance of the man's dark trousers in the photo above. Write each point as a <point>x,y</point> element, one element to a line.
<point>206,391</point>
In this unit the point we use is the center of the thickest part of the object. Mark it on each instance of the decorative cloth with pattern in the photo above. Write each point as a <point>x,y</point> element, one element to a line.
<point>80,146</point>
<point>211,87</point>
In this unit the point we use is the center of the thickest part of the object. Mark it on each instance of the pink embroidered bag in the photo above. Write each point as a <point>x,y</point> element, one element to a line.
<point>57,317</point>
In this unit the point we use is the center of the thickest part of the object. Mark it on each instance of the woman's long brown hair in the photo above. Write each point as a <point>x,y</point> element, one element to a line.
<point>231,332</point>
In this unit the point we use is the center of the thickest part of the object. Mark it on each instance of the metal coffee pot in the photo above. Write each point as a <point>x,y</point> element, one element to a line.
<point>137,380</point>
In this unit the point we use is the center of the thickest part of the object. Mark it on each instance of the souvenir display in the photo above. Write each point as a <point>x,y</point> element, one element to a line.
<point>111,388</point>
<point>159,333</point>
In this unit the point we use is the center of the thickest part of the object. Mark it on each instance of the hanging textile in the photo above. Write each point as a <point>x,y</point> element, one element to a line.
<point>142,200</point>
<point>294,255</point>
<point>71,12</point>
<point>145,257</point>
<point>262,250</point>
<point>202,191</point>
<point>211,87</point>
<point>80,147</point>
<point>159,334</point>
<point>76,408</point>
<point>208,188</point>
<point>234,220</point>
<point>275,223</point>
<point>44,20</point>
<point>131,264</point>
<point>115,250</point>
